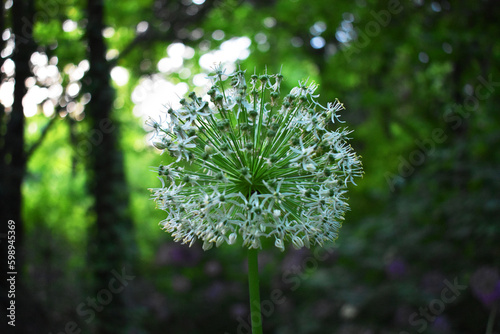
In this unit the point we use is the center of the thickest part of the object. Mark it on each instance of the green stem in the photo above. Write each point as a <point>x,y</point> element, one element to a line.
<point>491,320</point>
<point>253,285</point>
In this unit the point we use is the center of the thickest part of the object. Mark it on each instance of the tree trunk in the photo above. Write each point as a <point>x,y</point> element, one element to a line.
<point>28,312</point>
<point>111,241</point>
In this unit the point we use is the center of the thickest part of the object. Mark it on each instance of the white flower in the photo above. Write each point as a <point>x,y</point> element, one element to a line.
<point>304,154</point>
<point>232,238</point>
<point>181,148</point>
<point>279,244</point>
<point>333,108</point>
<point>257,168</point>
<point>310,167</point>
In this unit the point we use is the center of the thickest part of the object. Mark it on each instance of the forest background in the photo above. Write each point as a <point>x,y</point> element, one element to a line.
<point>418,253</point>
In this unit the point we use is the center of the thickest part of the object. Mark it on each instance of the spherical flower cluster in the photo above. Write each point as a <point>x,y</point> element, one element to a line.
<point>251,165</point>
<point>485,283</point>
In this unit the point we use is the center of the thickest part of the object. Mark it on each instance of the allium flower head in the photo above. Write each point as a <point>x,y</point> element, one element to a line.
<point>485,284</point>
<point>251,164</point>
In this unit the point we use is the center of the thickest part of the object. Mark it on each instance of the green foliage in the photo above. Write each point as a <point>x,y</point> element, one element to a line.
<point>54,180</point>
<point>425,212</point>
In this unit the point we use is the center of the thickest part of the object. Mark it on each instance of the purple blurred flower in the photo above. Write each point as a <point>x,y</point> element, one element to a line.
<point>396,268</point>
<point>181,283</point>
<point>432,282</point>
<point>178,255</point>
<point>215,292</point>
<point>294,260</point>
<point>441,325</point>
<point>213,268</point>
<point>485,283</point>
<point>239,310</point>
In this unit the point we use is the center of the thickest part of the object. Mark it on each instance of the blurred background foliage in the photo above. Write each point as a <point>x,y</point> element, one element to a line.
<point>420,80</point>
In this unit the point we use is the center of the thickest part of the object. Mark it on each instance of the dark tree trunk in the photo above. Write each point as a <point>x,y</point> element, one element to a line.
<point>3,194</point>
<point>111,242</point>
<point>29,316</point>
<point>14,157</point>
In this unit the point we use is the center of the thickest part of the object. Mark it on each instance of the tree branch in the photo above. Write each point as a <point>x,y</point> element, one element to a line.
<point>45,130</point>
<point>177,19</point>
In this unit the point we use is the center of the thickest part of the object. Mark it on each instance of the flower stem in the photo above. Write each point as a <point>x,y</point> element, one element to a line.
<point>253,285</point>
<point>491,320</point>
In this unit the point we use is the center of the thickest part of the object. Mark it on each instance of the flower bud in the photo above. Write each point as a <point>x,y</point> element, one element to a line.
<point>245,171</point>
<point>209,149</point>
<point>232,238</point>
<point>297,242</point>
<point>160,145</point>
<point>271,133</point>
<point>310,168</point>
<point>207,245</point>
<point>245,127</point>
<point>219,241</point>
